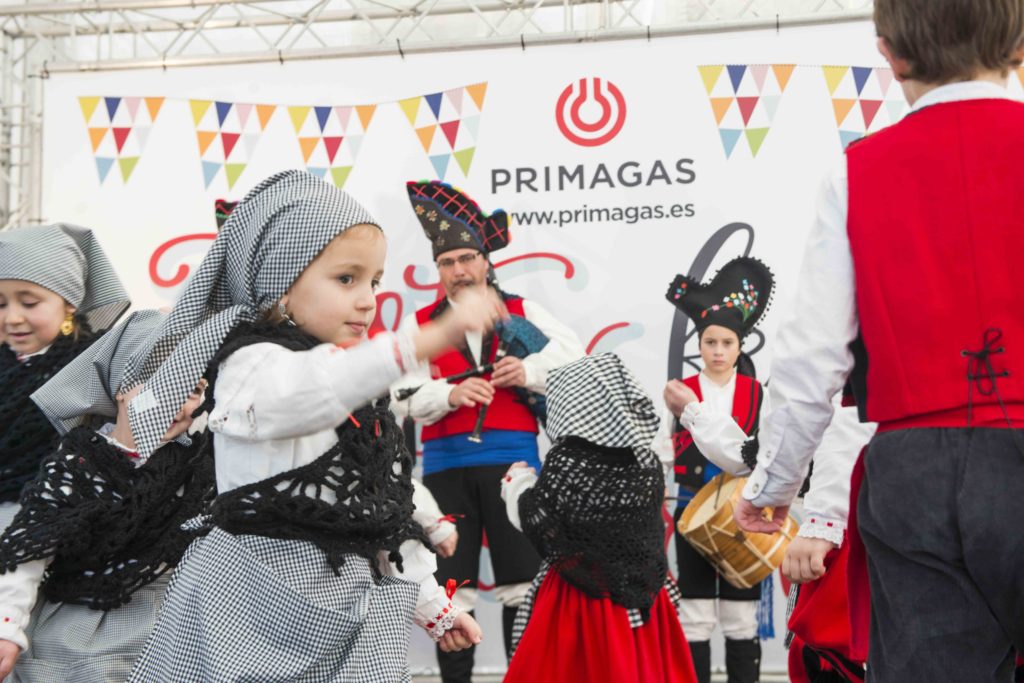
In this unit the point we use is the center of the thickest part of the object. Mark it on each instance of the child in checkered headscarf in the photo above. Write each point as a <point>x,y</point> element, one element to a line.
<point>312,565</point>
<point>58,294</point>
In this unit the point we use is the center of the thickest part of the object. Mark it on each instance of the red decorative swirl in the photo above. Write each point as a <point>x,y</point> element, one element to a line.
<point>182,272</point>
<point>602,333</point>
<point>377,326</point>
<point>409,274</point>
<point>570,269</point>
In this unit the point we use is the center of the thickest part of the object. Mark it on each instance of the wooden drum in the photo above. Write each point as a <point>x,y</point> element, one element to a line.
<point>743,559</point>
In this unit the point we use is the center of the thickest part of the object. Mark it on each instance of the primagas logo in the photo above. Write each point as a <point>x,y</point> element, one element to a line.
<point>602,104</point>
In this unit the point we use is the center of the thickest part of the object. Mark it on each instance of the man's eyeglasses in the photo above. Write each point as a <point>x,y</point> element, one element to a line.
<point>464,260</point>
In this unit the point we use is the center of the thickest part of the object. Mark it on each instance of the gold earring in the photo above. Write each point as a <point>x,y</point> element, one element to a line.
<point>68,326</point>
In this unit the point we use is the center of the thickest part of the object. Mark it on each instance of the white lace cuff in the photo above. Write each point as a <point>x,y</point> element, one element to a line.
<point>690,413</point>
<point>442,622</point>
<point>815,526</point>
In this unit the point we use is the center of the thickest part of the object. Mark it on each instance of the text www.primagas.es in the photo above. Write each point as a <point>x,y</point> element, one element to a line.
<point>590,214</point>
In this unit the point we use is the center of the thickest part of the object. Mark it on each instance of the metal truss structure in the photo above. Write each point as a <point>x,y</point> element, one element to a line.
<point>41,38</point>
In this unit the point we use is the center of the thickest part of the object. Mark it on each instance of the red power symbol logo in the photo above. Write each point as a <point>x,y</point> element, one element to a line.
<point>608,124</point>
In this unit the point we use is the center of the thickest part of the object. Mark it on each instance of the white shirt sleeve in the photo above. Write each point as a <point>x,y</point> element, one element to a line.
<point>435,611</point>
<point>428,514</point>
<point>812,357</point>
<point>563,347</point>
<point>18,592</point>
<point>662,444</point>
<point>827,502</point>
<point>717,435</point>
<point>266,392</point>
<point>430,402</point>
<point>514,485</point>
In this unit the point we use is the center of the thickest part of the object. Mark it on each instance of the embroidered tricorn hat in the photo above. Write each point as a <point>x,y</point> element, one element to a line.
<point>452,220</point>
<point>736,298</point>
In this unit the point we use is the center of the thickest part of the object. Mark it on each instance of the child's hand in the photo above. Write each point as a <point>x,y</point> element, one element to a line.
<point>464,633</point>
<point>518,466</point>
<point>476,310</point>
<point>446,548</point>
<point>677,396</point>
<point>9,656</point>
<point>805,559</point>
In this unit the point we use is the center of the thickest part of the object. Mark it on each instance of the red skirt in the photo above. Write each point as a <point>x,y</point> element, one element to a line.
<point>573,637</point>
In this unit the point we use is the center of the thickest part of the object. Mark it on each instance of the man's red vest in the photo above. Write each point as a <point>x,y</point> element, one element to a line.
<point>936,229</point>
<point>506,410</point>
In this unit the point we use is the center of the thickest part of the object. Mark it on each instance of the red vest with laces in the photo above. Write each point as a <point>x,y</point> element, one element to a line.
<point>506,412</point>
<point>746,410</point>
<point>936,229</point>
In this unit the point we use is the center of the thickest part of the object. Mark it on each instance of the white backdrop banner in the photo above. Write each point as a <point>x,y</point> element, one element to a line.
<point>621,163</point>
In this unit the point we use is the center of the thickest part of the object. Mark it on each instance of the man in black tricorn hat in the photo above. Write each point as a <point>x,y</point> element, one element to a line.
<point>465,455</point>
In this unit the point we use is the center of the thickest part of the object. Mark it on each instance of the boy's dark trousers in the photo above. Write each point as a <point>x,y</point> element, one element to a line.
<point>940,512</point>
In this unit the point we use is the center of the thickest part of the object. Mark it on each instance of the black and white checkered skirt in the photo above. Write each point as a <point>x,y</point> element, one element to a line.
<point>76,644</point>
<point>251,608</point>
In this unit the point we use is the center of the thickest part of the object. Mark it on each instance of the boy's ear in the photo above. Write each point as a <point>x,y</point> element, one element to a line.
<point>898,65</point>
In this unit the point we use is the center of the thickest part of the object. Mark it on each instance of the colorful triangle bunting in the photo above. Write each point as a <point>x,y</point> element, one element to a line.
<point>340,174</point>
<point>332,144</point>
<point>464,158</point>
<point>88,105</point>
<point>112,104</point>
<point>709,75</point>
<point>366,112</point>
<point>730,137</point>
<point>322,114</point>
<point>210,169</point>
<point>103,165</point>
<point>477,92</point>
<point>233,172</point>
<point>199,109</point>
<point>720,105</point>
<point>223,109</point>
<point>834,76</point>
<point>755,138</point>
<point>229,140</point>
<point>451,132</point>
<point>410,107</point>
<point>440,162</point>
<point>747,105</point>
<point>127,165</point>
<point>782,74</point>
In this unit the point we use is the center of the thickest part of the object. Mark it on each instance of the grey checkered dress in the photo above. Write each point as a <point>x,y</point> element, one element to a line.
<point>251,608</point>
<point>246,607</point>
<point>67,260</point>
<point>75,643</point>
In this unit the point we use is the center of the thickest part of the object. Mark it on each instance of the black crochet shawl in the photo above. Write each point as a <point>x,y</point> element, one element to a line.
<point>26,436</point>
<point>369,472</point>
<point>595,516</point>
<point>110,526</point>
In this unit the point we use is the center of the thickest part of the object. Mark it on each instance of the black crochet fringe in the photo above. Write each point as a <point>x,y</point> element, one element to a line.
<point>595,516</point>
<point>368,474</point>
<point>26,436</point>
<point>110,526</point>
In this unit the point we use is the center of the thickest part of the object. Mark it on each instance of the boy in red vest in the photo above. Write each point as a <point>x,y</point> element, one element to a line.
<point>711,416</point>
<point>914,250</point>
<point>464,474</point>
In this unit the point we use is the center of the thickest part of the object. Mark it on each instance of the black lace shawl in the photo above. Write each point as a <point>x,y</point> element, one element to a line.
<point>368,472</point>
<point>110,526</point>
<point>26,436</point>
<point>595,516</point>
